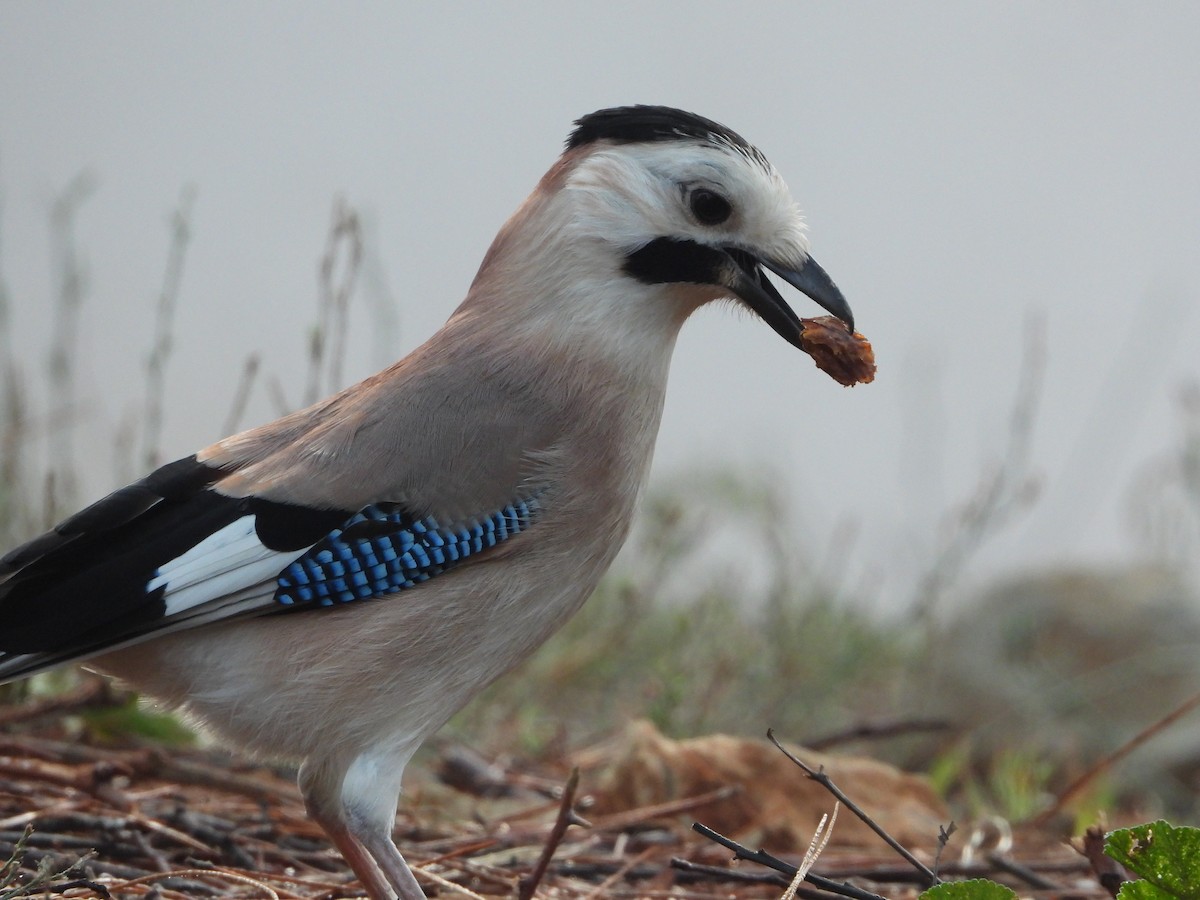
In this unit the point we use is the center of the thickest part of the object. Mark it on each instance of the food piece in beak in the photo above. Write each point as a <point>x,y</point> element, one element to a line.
<point>844,355</point>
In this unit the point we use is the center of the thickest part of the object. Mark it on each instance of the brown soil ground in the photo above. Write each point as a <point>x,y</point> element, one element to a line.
<point>83,820</point>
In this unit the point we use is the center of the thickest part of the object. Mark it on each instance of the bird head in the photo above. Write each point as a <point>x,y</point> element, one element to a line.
<point>686,201</point>
<point>649,213</point>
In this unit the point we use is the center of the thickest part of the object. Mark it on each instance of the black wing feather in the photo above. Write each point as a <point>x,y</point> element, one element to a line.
<point>84,585</point>
<point>174,481</point>
<point>87,577</point>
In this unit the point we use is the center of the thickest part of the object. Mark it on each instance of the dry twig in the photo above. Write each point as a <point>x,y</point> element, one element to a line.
<point>884,728</point>
<point>92,693</point>
<point>624,820</point>
<point>819,776</point>
<point>763,858</point>
<point>1110,873</point>
<point>566,818</point>
<point>1075,787</point>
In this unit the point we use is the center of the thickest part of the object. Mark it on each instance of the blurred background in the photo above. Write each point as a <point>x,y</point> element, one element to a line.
<point>214,213</point>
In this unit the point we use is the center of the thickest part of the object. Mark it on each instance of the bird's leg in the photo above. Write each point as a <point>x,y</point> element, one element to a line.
<point>316,786</point>
<point>359,859</point>
<point>378,842</point>
<point>368,848</point>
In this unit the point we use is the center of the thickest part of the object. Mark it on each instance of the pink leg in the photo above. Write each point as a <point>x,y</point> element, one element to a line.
<point>364,838</point>
<point>358,858</point>
<point>383,850</point>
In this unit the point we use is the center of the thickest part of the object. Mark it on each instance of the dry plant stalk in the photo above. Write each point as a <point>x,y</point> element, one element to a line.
<point>164,322</point>
<point>61,480</point>
<point>1003,492</point>
<point>327,343</point>
<point>816,847</point>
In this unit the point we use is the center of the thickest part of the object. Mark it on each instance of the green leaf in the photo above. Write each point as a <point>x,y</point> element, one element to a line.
<point>1142,890</point>
<point>1166,856</point>
<point>975,889</point>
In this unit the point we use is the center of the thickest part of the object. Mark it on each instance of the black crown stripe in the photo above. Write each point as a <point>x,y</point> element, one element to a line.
<point>642,124</point>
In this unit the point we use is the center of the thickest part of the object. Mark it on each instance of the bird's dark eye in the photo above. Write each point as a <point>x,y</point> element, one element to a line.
<point>708,207</point>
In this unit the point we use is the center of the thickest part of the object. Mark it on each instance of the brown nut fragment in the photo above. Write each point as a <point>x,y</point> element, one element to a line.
<point>847,358</point>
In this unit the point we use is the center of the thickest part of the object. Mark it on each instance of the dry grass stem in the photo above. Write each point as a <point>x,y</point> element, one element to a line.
<point>338,274</point>
<point>816,847</point>
<point>1003,492</point>
<point>1076,787</point>
<point>164,323</point>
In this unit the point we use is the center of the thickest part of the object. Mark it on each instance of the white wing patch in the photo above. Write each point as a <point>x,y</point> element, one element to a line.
<point>228,561</point>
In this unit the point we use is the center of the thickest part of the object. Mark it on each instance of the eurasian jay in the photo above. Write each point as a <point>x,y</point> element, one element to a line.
<point>332,586</point>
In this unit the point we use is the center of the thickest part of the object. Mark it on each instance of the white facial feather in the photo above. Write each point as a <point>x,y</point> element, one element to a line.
<point>568,245</point>
<point>631,194</point>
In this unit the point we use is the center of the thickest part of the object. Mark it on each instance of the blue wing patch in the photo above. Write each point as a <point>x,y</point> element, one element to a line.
<point>384,549</point>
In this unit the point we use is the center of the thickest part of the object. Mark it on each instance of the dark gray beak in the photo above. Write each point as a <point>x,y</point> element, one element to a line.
<point>669,260</point>
<point>813,281</point>
<point>752,286</point>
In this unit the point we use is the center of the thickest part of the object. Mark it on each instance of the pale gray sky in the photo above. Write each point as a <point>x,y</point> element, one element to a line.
<point>963,168</point>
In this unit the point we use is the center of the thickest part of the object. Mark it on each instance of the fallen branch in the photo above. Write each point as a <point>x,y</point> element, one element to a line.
<point>602,889</point>
<point>49,870</point>
<point>566,818</point>
<point>819,776</point>
<point>883,728</point>
<point>1076,787</point>
<point>1026,874</point>
<point>624,820</point>
<point>92,694</point>
<point>693,868</point>
<point>763,858</point>
<point>215,872</point>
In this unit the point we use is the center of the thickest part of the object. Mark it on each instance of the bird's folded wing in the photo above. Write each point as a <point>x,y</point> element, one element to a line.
<point>173,552</point>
